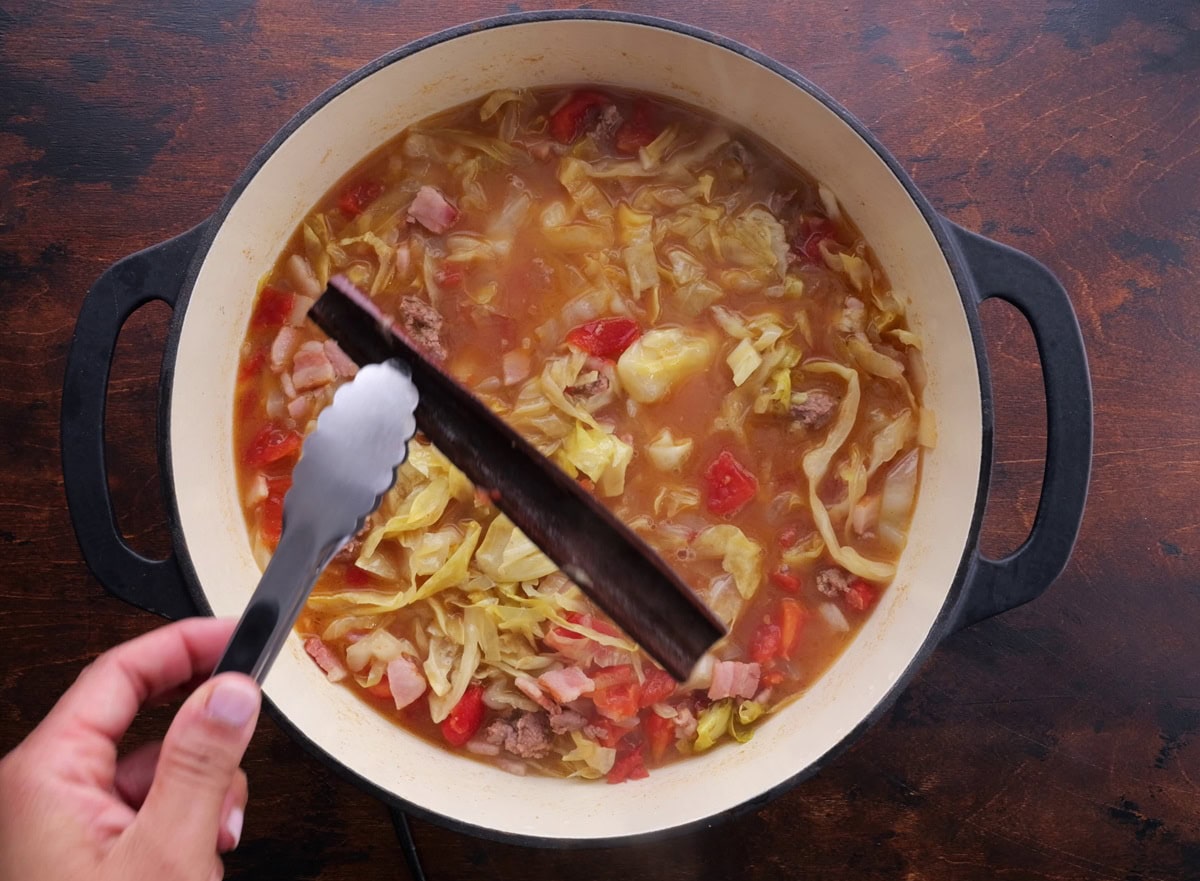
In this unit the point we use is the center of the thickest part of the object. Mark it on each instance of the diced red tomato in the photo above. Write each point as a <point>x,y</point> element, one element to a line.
<point>637,131</point>
<point>607,733</point>
<point>766,643</point>
<point>785,579</point>
<point>860,596</point>
<point>792,617</point>
<point>788,537</point>
<point>617,694</point>
<point>566,123</point>
<point>356,199</point>
<point>656,686</point>
<point>270,521</point>
<point>381,689</point>
<point>729,485</point>
<point>466,717</point>
<point>605,337</point>
<point>607,677</point>
<point>660,733</point>
<point>271,444</point>
<point>631,766</point>
<point>252,365</point>
<point>273,308</point>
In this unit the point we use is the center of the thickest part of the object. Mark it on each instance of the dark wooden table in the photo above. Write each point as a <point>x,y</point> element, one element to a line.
<point>1061,740</point>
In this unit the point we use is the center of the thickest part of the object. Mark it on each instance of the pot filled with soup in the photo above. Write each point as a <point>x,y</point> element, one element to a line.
<point>702,290</point>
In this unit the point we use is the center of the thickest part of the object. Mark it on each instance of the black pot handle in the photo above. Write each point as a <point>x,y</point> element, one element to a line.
<point>995,586</point>
<point>153,274</point>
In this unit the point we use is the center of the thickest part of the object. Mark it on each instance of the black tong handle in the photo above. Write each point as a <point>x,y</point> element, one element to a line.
<point>614,567</point>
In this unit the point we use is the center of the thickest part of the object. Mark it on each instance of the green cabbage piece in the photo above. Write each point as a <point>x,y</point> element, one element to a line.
<point>453,572</point>
<point>316,244</point>
<point>494,148</point>
<point>507,554</point>
<point>440,705</point>
<point>816,464</point>
<point>905,337</point>
<point>660,359</point>
<point>743,361</point>
<point>755,239</point>
<point>741,721</point>
<point>873,362</point>
<point>713,724</point>
<point>493,102</point>
<point>503,227</point>
<point>805,552</point>
<point>557,376</point>
<point>602,456</point>
<point>740,556</point>
<point>428,551</point>
<point>776,395</point>
<point>671,500</point>
<point>573,174</point>
<point>668,453</point>
<point>368,658</point>
<point>890,440</point>
<point>855,268</point>
<point>339,627</point>
<point>651,155</point>
<point>570,237</point>
<point>439,663</point>
<point>638,251</point>
<point>467,248</point>
<point>593,760</point>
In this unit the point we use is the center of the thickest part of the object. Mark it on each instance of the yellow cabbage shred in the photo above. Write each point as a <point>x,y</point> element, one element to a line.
<point>816,465</point>
<point>740,556</point>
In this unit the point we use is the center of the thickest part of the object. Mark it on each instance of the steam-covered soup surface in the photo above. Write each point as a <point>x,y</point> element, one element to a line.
<point>676,316</point>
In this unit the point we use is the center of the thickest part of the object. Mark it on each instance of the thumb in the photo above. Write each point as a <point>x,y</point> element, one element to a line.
<point>198,766</point>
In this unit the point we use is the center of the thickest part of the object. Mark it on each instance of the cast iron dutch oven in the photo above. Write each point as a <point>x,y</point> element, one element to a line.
<point>209,275</point>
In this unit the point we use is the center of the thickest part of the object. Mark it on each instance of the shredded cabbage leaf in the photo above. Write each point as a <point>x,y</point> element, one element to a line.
<point>660,359</point>
<point>816,465</point>
<point>740,556</point>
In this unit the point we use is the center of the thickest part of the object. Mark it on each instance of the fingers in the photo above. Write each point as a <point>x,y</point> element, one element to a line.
<point>135,773</point>
<point>109,693</point>
<point>233,813</point>
<point>188,805</point>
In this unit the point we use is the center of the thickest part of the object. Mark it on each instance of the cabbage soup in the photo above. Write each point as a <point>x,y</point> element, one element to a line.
<point>679,318</point>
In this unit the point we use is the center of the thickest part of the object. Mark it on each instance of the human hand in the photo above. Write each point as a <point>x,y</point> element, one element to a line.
<point>71,810</point>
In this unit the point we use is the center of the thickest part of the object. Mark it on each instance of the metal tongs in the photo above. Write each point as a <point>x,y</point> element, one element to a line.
<point>345,467</point>
<point>614,567</point>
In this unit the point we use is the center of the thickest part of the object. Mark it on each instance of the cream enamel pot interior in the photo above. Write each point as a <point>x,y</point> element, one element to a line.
<point>209,275</point>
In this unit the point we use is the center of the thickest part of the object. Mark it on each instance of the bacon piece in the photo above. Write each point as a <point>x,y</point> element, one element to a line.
<point>432,210</point>
<point>567,684</point>
<point>283,346</point>
<point>530,688</point>
<point>298,407</point>
<point>327,660</point>
<point>311,367</point>
<point>734,679</point>
<point>405,681</point>
<point>342,365</point>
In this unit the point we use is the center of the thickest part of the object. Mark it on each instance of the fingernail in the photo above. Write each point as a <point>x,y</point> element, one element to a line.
<point>233,702</point>
<point>233,825</point>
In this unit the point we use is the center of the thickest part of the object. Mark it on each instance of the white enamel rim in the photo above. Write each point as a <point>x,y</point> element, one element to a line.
<point>349,122</point>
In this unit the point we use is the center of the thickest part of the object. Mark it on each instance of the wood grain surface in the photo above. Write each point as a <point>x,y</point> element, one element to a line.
<point>1059,741</point>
